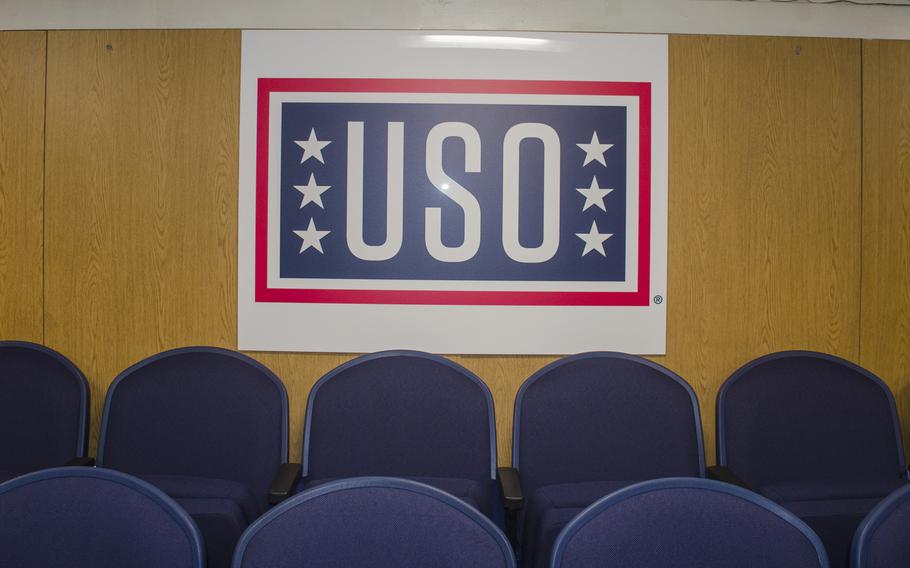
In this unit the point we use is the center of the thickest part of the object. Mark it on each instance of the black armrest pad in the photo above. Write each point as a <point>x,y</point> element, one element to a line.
<point>725,474</point>
<point>510,488</point>
<point>283,485</point>
<point>81,462</point>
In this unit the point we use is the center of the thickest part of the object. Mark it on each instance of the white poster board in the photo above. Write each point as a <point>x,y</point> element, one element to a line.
<point>452,192</point>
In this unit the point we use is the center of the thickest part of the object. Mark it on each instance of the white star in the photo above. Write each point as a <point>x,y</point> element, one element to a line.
<point>311,237</point>
<point>594,195</point>
<point>594,240</point>
<point>312,147</point>
<point>312,193</point>
<point>593,151</point>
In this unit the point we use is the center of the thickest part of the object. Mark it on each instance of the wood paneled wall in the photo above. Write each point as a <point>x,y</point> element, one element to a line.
<point>885,329</point>
<point>22,72</point>
<point>141,198</point>
<point>764,234</point>
<point>768,245</point>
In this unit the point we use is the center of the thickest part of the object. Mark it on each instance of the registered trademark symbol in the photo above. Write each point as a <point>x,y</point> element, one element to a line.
<point>658,299</point>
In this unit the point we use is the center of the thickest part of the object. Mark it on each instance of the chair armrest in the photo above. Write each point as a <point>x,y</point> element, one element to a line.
<point>513,501</point>
<point>510,488</point>
<point>283,485</point>
<point>725,474</point>
<point>81,462</point>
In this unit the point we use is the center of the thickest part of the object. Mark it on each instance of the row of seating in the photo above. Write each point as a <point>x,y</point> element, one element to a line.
<point>82,517</point>
<point>209,427</point>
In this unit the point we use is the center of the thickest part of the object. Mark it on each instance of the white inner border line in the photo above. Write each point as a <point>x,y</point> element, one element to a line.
<point>278,98</point>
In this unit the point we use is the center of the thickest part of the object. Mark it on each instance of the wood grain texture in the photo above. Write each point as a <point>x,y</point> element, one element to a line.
<point>142,157</point>
<point>22,73</point>
<point>141,201</point>
<point>885,329</point>
<point>764,205</point>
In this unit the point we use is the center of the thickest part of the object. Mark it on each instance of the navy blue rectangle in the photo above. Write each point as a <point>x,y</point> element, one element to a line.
<point>574,125</point>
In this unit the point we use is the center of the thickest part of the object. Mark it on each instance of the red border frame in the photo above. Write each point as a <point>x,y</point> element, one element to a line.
<point>640,297</point>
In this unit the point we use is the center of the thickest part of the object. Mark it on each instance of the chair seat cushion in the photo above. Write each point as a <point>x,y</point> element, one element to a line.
<point>832,489</point>
<point>202,488</point>
<point>834,521</point>
<point>221,523</point>
<point>471,492</point>
<point>551,508</point>
<point>833,508</point>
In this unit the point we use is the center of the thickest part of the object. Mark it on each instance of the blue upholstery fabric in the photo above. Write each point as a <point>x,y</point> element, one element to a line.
<point>182,486</point>
<point>471,492</point>
<point>835,520</point>
<point>804,415</point>
<point>221,508</point>
<point>694,523</point>
<point>402,414</point>
<point>551,508</point>
<point>835,523</point>
<point>221,522</point>
<point>202,423</point>
<point>375,522</point>
<point>602,421</point>
<point>883,538</point>
<point>814,513</point>
<point>815,433</point>
<point>93,518</point>
<point>43,409</point>
<point>828,489</point>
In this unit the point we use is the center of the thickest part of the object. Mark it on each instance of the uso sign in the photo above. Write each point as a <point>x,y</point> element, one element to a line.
<point>457,193</point>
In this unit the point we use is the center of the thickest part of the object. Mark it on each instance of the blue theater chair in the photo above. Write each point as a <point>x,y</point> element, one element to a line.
<point>687,523</point>
<point>882,540</point>
<point>590,424</point>
<point>81,517</point>
<point>814,433</point>
<point>43,409</point>
<point>403,414</point>
<point>207,426</point>
<point>375,522</point>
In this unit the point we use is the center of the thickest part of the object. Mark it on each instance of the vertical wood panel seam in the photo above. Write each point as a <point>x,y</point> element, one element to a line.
<point>44,197</point>
<point>862,194</point>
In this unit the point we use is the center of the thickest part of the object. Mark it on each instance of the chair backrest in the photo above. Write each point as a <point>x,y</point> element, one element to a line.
<point>376,522</point>
<point>605,417</point>
<point>807,415</point>
<point>43,408</point>
<point>687,522</point>
<point>400,413</point>
<point>82,517</point>
<point>197,411</point>
<point>881,540</point>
